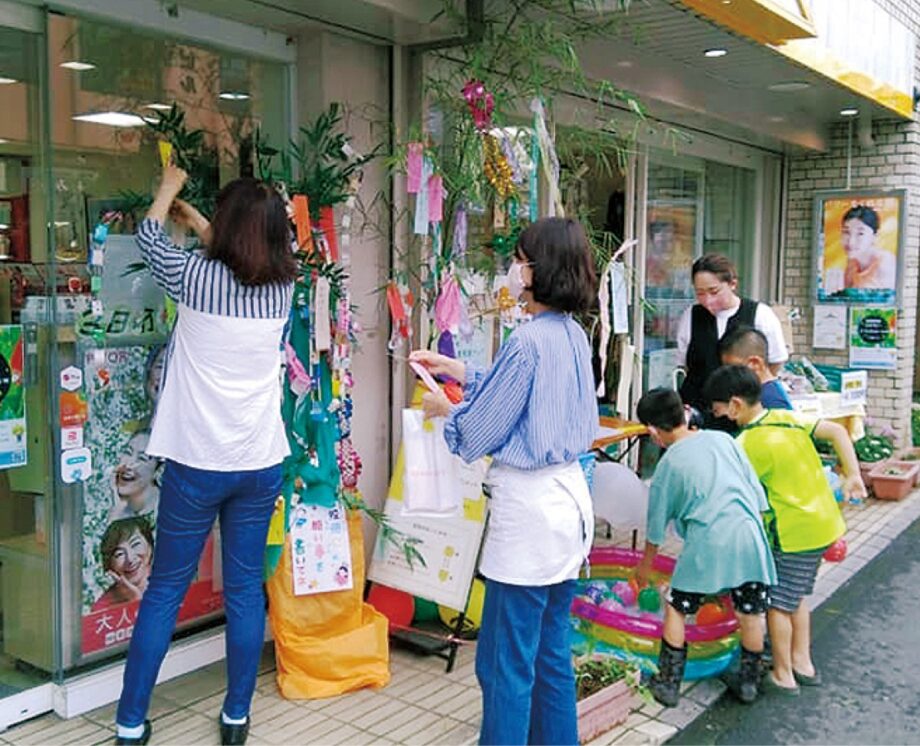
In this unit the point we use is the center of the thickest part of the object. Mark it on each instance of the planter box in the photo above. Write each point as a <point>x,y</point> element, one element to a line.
<point>911,455</point>
<point>604,710</point>
<point>866,468</point>
<point>888,486</point>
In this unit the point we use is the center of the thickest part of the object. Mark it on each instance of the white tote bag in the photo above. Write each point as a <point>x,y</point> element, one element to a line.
<point>433,483</point>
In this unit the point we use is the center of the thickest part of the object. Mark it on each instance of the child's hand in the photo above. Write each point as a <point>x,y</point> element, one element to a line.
<point>643,571</point>
<point>854,488</point>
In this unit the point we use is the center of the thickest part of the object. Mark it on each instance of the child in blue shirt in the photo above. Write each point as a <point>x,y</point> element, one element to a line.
<point>707,487</point>
<point>747,346</point>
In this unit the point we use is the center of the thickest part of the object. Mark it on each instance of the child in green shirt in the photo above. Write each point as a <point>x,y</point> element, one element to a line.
<point>705,485</point>
<point>803,519</point>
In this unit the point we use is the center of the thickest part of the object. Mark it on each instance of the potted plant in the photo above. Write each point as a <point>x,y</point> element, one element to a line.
<point>893,480</point>
<point>607,690</point>
<point>872,450</point>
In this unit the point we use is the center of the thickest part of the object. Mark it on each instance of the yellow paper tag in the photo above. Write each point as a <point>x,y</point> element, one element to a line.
<point>166,150</point>
<point>276,527</point>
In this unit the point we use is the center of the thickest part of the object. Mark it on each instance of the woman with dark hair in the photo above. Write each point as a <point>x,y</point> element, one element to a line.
<point>718,310</point>
<point>218,426</point>
<point>535,413</point>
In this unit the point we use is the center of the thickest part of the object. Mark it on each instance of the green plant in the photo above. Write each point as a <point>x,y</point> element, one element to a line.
<point>915,425</point>
<point>872,448</point>
<point>402,541</point>
<point>528,49</point>
<point>596,672</point>
<point>318,164</point>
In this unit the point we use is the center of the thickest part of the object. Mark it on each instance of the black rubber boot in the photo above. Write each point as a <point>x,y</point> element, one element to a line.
<point>749,677</point>
<point>665,685</point>
<point>233,735</point>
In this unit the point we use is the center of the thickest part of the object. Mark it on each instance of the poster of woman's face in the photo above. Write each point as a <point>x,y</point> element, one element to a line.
<point>859,246</point>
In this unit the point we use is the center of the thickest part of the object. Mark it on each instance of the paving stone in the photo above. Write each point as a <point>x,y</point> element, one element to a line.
<point>657,732</point>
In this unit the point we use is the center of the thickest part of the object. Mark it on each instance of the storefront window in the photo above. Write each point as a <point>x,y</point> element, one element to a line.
<point>109,85</point>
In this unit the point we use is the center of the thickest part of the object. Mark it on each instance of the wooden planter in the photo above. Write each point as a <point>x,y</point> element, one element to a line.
<point>888,485</point>
<point>604,710</point>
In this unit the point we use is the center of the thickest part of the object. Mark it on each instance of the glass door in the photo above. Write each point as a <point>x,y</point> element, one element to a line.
<point>28,612</point>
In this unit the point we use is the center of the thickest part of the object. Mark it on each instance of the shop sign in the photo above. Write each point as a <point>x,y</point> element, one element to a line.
<point>71,378</point>
<point>76,465</point>
<point>873,337</point>
<point>71,437</point>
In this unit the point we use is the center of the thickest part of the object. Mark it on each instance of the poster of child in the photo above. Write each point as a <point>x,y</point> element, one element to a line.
<point>858,247</point>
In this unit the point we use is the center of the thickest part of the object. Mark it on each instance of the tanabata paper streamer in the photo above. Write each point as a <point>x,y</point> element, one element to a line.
<point>297,374</point>
<point>166,150</point>
<point>548,158</point>
<point>327,226</point>
<point>421,201</point>
<point>448,308</point>
<point>458,247</point>
<point>435,199</point>
<point>302,222</point>
<point>414,167</point>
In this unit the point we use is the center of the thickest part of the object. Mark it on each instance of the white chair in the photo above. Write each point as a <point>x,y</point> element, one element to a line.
<point>620,497</point>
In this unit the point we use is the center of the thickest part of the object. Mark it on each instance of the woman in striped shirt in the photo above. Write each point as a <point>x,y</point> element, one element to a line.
<point>534,412</point>
<point>218,426</point>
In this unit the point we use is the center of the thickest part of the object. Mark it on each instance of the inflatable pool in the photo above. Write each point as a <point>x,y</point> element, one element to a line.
<point>604,622</point>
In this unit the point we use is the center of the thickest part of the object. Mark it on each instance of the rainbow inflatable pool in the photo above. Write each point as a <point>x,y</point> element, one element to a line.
<point>630,634</point>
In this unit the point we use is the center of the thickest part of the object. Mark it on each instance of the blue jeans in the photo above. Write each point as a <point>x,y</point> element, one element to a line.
<point>190,500</point>
<point>524,665</point>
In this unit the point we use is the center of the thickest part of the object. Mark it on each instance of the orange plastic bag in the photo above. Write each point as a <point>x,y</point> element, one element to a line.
<point>328,643</point>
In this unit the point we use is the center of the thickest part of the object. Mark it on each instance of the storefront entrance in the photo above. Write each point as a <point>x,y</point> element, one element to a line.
<point>83,327</point>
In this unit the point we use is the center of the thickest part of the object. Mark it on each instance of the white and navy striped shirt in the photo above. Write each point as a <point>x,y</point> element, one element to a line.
<point>220,404</point>
<point>536,406</point>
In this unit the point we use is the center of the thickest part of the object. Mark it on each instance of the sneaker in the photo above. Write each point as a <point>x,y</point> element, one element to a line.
<point>233,735</point>
<point>139,741</point>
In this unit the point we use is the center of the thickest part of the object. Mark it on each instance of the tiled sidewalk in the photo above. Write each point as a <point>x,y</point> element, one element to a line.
<point>422,704</point>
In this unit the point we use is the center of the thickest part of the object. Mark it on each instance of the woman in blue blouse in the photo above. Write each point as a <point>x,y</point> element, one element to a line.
<point>534,412</point>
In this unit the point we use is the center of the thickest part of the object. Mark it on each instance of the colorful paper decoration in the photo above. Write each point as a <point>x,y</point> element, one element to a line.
<point>327,226</point>
<point>481,103</point>
<point>414,167</point>
<point>302,222</point>
<point>435,199</point>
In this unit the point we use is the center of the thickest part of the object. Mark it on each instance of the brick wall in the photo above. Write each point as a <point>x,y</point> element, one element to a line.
<point>892,162</point>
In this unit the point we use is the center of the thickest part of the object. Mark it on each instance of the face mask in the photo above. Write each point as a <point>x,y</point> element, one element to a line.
<point>515,280</point>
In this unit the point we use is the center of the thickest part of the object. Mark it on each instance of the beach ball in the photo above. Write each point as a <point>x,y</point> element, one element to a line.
<point>473,609</point>
<point>397,606</point>
<point>837,551</point>
<point>649,600</point>
<point>711,613</point>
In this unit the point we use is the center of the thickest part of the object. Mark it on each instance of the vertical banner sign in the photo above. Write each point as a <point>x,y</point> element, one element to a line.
<point>13,439</point>
<point>121,496</point>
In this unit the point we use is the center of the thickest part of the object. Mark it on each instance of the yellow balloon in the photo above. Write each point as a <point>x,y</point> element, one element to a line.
<point>473,609</point>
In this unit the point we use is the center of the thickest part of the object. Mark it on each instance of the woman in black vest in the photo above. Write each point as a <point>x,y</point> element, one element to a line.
<point>719,309</point>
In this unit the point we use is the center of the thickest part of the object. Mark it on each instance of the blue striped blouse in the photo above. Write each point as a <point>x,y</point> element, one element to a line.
<point>207,285</point>
<point>536,405</point>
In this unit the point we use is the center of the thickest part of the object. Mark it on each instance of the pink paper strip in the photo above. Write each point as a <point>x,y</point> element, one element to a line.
<point>435,199</point>
<point>414,168</point>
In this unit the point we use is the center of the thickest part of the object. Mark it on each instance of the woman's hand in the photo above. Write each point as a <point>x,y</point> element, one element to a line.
<point>183,214</point>
<point>171,184</point>
<point>440,365</point>
<point>435,404</point>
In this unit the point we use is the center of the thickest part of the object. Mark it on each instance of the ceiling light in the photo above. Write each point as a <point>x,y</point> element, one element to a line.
<point>233,96</point>
<point>789,86</point>
<point>849,112</point>
<point>158,107</point>
<point>777,119</point>
<point>624,63</point>
<point>715,52</point>
<point>111,118</point>
<point>8,81</point>
<point>78,66</point>
<point>3,141</point>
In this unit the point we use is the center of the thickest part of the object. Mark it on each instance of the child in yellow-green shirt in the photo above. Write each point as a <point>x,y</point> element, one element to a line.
<point>803,519</point>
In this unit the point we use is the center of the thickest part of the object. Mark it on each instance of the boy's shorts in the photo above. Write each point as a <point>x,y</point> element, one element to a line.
<point>795,578</point>
<point>749,598</point>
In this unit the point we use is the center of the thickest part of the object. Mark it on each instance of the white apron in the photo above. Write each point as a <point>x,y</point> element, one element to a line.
<point>541,525</point>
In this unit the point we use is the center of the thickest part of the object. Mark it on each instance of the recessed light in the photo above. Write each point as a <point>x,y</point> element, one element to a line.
<point>789,86</point>
<point>3,141</point>
<point>8,81</point>
<point>158,106</point>
<point>624,63</point>
<point>715,52</point>
<point>777,119</point>
<point>849,112</point>
<point>78,66</point>
<point>233,96</point>
<point>111,118</point>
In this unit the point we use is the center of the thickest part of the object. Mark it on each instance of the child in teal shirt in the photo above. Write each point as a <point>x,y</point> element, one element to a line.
<point>706,486</point>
